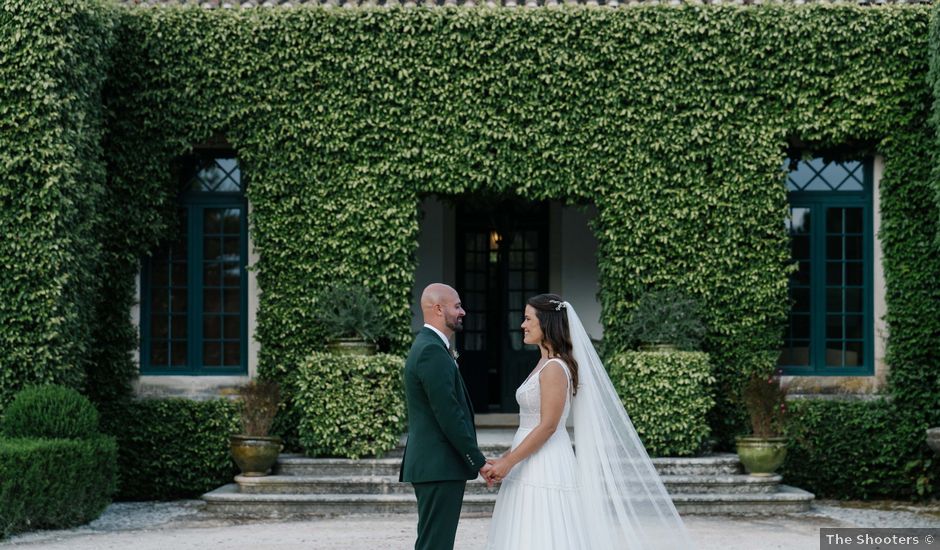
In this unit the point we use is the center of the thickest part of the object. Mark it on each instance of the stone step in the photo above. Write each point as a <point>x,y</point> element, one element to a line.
<point>716,465</point>
<point>785,500</point>
<point>387,485</point>
<point>228,501</point>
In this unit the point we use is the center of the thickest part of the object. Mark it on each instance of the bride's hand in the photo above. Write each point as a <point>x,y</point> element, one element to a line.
<point>500,467</point>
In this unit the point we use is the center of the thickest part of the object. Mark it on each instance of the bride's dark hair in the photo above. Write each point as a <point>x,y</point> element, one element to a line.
<point>553,320</point>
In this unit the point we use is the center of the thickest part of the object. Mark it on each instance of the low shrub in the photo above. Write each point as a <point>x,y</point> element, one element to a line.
<point>55,483</point>
<point>350,405</point>
<point>666,394</point>
<point>171,448</point>
<point>50,412</point>
<point>766,403</point>
<point>258,406</point>
<point>666,316</point>
<point>857,450</point>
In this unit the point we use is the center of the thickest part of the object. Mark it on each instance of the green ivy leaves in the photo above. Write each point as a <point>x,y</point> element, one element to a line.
<point>673,120</point>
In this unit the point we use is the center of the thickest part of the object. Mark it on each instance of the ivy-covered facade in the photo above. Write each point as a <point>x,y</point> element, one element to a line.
<point>213,170</point>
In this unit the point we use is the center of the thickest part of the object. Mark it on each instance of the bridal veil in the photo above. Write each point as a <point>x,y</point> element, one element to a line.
<point>624,501</point>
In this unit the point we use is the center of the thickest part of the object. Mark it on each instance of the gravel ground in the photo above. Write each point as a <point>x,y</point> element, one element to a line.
<point>182,525</point>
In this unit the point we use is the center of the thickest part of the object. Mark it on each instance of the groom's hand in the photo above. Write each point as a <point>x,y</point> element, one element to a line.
<point>485,472</point>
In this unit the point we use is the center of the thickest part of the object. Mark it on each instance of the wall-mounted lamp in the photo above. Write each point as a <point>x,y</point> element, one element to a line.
<point>495,240</point>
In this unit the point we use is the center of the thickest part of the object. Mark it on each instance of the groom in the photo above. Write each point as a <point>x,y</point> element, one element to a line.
<point>441,453</point>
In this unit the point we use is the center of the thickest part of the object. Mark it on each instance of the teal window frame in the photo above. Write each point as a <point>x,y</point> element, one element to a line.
<point>195,204</point>
<point>819,202</point>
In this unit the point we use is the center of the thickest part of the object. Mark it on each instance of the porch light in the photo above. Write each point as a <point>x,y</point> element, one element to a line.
<point>495,240</point>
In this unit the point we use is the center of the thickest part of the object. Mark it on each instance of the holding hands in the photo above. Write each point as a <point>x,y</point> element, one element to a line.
<point>496,469</point>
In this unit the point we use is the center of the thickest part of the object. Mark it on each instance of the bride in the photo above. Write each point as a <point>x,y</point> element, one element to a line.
<point>609,496</point>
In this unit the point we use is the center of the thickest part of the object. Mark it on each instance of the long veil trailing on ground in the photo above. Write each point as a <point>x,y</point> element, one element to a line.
<point>625,503</point>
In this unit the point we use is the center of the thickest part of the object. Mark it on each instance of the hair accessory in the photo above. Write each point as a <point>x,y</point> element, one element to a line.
<point>559,305</point>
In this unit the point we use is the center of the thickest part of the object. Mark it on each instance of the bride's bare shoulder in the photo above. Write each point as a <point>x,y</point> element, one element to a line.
<point>554,369</point>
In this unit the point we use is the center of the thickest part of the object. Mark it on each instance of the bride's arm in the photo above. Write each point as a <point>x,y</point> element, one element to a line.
<point>554,392</point>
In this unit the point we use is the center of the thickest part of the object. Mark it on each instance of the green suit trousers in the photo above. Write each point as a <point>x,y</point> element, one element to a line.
<point>439,505</point>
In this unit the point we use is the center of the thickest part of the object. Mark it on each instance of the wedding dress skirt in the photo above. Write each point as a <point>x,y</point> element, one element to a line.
<point>537,507</point>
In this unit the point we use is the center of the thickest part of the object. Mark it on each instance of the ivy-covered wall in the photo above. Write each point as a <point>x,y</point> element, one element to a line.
<point>53,60</point>
<point>673,120</point>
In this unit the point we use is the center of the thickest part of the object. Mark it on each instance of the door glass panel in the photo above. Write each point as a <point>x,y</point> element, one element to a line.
<point>159,327</point>
<point>159,353</point>
<point>212,353</point>
<point>829,319</point>
<point>495,290</point>
<point>214,240</point>
<point>211,300</point>
<point>212,221</point>
<point>853,300</point>
<point>801,297</point>
<point>211,274</point>
<point>854,273</point>
<point>834,300</point>
<point>232,326</point>
<point>179,354</point>
<point>232,353</point>
<point>212,248</point>
<point>211,326</point>
<point>833,273</point>
<point>167,300</point>
<point>854,354</point>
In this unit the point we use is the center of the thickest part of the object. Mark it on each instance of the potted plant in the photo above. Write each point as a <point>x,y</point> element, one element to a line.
<point>765,449</point>
<point>253,450</point>
<point>933,439</point>
<point>352,318</point>
<point>666,319</point>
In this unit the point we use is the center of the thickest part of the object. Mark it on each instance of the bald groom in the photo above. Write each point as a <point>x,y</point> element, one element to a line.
<point>442,452</point>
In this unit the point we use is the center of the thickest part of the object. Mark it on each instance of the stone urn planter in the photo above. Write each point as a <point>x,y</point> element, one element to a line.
<point>761,456</point>
<point>933,439</point>
<point>352,319</point>
<point>254,450</point>
<point>351,346</point>
<point>255,455</point>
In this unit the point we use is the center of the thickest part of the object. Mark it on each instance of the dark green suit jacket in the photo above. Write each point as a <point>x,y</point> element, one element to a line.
<point>442,440</point>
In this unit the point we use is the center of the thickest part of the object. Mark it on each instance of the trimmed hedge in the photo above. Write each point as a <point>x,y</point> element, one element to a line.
<point>171,448</point>
<point>858,450</point>
<point>667,395</point>
<point>50,412</point>
<point>350,405</point>
<point>54,483</point>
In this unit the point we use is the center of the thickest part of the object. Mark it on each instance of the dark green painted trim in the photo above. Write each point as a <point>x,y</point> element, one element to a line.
<point>196,204</point>
<point>819,201</point>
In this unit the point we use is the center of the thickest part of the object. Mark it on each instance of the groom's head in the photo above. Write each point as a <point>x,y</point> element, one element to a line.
<point>442,308</point>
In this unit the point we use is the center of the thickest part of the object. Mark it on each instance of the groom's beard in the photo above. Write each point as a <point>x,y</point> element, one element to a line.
<point>455,324</point>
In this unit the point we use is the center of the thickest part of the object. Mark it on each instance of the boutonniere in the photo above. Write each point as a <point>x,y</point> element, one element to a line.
<point>454,354</point>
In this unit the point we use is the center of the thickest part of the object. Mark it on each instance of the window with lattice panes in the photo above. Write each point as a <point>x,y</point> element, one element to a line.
<point>194,291</point>
<point>830,326</point>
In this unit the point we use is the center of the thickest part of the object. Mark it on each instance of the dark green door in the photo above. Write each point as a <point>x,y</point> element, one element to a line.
<point>502,260</point>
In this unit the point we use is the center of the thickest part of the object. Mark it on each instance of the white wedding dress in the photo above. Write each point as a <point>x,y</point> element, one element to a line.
<point>608,497</point>
<point>538,502</point>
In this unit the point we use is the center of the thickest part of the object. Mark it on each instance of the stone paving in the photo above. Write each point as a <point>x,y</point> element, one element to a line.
<point>182,525</point>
